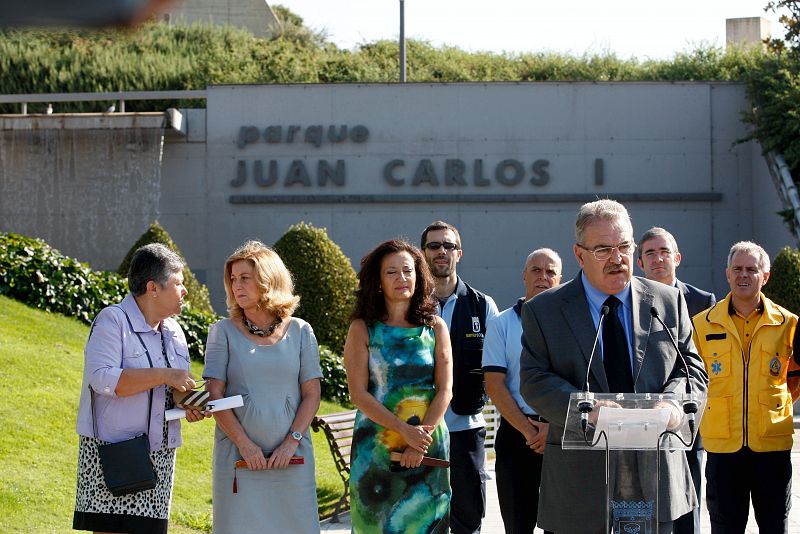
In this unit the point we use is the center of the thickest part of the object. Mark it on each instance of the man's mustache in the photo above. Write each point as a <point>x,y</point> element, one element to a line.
<point>617,267</point>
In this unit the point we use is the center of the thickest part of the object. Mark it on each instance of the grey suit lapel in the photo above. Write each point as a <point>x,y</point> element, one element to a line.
<point>579,320</point>
<point>641,302</point>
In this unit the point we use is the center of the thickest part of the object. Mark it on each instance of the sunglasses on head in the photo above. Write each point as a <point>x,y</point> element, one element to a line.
<point>435,245</point>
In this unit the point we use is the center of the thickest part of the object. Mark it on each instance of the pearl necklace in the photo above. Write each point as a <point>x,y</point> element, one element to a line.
<point>253,329</point>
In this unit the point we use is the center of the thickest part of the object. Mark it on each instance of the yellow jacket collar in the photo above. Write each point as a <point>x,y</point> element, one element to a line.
<point>773,314</point>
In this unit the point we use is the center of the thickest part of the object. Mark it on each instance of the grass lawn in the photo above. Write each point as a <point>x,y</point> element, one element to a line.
<point>41,362</point>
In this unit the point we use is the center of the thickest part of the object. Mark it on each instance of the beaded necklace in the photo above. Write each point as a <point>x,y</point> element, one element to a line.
<point>253,329</point>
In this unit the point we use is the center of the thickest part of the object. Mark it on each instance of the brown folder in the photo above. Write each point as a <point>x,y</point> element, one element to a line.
<point>426,460</point>
<point>294,460</point>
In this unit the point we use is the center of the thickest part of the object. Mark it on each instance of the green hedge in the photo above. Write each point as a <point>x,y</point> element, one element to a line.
<point>783,285</point>
<point>34,273</point>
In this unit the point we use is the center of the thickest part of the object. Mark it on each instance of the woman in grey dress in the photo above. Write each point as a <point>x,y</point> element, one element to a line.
<point>272,359</point>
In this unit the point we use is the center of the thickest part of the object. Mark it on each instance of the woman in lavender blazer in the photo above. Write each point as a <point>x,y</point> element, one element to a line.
<point>134,348</point>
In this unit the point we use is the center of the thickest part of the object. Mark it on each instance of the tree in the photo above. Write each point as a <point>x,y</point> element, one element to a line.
<point>790,21</point>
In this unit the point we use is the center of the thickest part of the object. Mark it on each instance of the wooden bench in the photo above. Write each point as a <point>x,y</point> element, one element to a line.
<point>338,429</point>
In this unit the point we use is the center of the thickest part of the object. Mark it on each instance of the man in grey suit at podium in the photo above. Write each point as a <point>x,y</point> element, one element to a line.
<point>635,355</point>
<point>659,258</point>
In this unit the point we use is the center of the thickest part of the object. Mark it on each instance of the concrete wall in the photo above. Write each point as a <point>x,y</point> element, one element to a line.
<point>87,184</point>
<point>253,15</point>
<point>747,31</point>
<point>668,151</point>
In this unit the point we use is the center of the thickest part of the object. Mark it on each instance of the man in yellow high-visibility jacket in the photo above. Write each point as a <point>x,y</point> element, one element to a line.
<point>746,342</point>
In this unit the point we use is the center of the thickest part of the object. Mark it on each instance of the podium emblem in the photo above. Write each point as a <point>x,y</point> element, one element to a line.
<point>632,517</point>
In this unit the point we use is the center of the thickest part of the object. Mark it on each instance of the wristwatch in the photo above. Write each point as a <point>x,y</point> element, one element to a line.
<point>296,435</point>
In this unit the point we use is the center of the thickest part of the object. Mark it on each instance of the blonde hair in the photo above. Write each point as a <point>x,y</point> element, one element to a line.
<point>271,275</point>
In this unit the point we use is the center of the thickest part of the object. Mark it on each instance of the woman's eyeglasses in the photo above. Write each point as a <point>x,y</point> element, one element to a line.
<point>435,245</point>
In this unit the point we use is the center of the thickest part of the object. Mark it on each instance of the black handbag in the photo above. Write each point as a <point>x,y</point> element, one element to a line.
<point>127,467</point>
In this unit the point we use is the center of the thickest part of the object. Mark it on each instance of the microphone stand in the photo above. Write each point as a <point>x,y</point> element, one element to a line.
<point>690,406</point>
<point>586,405</point>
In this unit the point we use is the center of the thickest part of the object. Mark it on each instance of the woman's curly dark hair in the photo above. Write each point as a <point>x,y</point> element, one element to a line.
<point>370,303</point>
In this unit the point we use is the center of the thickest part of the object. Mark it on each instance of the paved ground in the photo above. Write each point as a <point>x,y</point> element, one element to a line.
<point>493,523</point>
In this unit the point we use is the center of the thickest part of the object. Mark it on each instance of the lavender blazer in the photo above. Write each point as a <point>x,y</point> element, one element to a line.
<point>112,346</point>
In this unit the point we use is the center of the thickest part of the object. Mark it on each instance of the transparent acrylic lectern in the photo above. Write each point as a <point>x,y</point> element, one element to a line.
<point>632,429</point>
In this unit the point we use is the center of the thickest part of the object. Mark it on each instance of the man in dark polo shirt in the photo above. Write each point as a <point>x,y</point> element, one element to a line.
<point>466,312</point>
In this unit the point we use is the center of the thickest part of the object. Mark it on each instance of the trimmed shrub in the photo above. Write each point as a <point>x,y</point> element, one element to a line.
<point>784,279</point>
<point>324,280</point>
<point>34,273</point>
<point>334,378</point>
<point>197,294</point>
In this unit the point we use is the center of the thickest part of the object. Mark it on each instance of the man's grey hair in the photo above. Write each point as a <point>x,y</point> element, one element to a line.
<point>657,231</point>
<point>600,210</point>
<point>154,262</point>
<point>549,252</point>
<point>748,247</point>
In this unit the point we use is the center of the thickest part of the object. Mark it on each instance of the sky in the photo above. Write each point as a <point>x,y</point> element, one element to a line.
<point>644,29</point>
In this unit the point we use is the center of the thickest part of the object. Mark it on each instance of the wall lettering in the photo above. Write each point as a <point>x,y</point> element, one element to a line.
<point>295,174</point>
<point>314,135</point>
<point>509,172</point>
<point>422,173</point>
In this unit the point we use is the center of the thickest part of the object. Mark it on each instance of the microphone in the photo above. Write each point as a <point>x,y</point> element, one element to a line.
<point>587,404</point>
<point>689,406</point>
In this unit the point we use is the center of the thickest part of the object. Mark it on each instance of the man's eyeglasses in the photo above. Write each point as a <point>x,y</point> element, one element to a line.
<point>603,253</point>
<point>661,253</point>
<point>435,245</point>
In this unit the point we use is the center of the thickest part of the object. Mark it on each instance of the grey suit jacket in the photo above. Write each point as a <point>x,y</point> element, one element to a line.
<point>558,333</point>
<point>697,300</point>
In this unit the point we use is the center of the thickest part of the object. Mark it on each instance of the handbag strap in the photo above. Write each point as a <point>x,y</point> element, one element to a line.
<point>149,361</point>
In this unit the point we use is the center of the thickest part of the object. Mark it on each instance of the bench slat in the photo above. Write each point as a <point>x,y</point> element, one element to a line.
<point>342,434</point>
<point>338,417</point>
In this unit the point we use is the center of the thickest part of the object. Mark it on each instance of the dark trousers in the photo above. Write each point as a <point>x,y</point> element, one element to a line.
<point>467,480</point>
<point>690,522</point>
<point>733,479</point>
<point>518,471</point>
